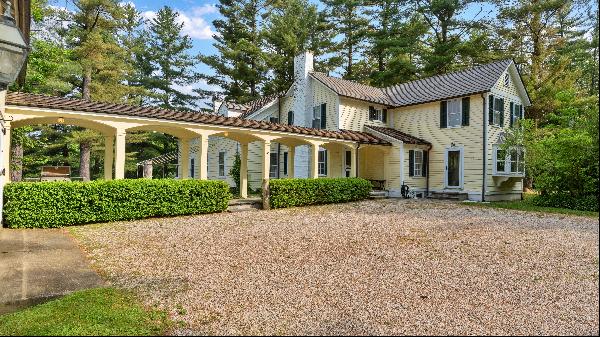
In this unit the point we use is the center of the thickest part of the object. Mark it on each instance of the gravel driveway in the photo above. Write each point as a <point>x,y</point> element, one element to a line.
<point>372,267</point>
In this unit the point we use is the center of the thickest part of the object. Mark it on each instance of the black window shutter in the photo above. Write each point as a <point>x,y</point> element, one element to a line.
<point>324,116</point>
<point>443,114</point>
<point>491,114</point>
<point>512,113</point>
<point>371,113</point>
<point>466,107</point>
<point>384,116</point>
<point>411,163</point>
<point>502,112</point>
<point>425,163</point>
<point>290,117</point>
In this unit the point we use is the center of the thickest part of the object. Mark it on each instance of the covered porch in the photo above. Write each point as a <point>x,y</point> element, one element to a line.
<point>115,121</point>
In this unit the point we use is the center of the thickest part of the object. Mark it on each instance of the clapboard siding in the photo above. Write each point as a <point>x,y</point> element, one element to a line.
<point>423,121</point>
<point>354,114</point>
<point>321,94</point>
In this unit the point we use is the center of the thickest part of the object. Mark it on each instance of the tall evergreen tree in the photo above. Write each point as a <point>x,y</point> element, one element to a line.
<point>350,22</point>
<point>92,32</point>
<point>168,51</point>
<point>293,27</point>
<point>239,65</point>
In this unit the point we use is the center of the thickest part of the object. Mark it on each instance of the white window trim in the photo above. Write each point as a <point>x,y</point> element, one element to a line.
<point>325,163</point>
<point>224,164</point>
<point>497,112</point>
<point>420,174</point>
<point>273,165</point>
<point>462,167</point>
<point>507,162</point>
<point>459,100</point>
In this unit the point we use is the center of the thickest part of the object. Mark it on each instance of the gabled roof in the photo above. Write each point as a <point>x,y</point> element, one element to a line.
<point>475,80</point>
<point>247,109</point>
<point>351,89</point>
<point>397,135</point>
<point>22,99</point>
<point>466,82</point>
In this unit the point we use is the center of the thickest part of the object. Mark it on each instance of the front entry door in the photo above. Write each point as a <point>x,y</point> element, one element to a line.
<point>454,168</point>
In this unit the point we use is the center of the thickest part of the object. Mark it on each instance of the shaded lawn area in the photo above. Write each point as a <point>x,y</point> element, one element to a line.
<point>100,311</point>
<point>526,205</point>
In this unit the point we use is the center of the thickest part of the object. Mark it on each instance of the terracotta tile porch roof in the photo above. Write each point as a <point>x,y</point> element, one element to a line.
<point>73,104</point>
<point>399,135</point>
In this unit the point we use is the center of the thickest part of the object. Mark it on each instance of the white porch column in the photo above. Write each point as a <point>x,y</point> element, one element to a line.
<point>314,161</point>
<point>266,162</point>
<point>291,161</point>
<point>120,154</point>
<point>184,158</point>
<point>244,170</point>
<point>203,157</point>
<point>353,162</point>
<point>109,156</point>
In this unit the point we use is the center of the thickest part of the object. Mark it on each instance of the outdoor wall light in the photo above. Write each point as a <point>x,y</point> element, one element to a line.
<point>13,49</point>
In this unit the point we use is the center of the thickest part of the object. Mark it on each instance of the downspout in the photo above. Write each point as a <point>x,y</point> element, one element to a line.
<point>427,176</point>
<point>485,126</point>
<point>279,144</point>
<point>357,160</point>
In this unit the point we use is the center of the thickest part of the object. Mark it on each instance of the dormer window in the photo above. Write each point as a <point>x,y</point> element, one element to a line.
<point>377,114</point>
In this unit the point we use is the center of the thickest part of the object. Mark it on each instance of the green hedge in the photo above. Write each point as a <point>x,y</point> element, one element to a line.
<point>301,192</point>
<point>56,204</point>
<point>586,203</point>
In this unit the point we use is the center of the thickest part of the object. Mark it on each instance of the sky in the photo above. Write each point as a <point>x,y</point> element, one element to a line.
<point>197,17</point>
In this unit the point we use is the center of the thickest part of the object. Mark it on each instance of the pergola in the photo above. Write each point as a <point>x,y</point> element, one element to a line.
<point>115,120</point>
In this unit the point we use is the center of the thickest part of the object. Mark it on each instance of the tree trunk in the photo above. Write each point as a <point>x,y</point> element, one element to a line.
<point>16,162</point>
<point>85,87</point>
<point>84,160</point>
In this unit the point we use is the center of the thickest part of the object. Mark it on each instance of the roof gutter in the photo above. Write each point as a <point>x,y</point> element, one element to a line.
<point>485,127</point>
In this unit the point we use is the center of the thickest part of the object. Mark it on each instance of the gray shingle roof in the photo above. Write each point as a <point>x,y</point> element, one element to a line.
<point>470,81</point>
<point>397,134</point>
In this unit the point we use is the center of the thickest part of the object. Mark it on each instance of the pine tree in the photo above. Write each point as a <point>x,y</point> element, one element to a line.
<point>168,52</point>
<point>350,22</point>
<point>394,37</point>
<point>293,27</point>
<point>92,32</point>
<point>239,65</point>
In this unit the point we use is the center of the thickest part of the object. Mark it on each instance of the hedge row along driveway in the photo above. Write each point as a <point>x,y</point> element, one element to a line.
<point>57,204</point>
<point>302,192</point>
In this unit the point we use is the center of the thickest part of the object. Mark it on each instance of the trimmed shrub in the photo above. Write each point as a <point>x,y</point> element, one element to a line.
<point>586,203</point>
<point>56,204</point>
<point>302,192</point>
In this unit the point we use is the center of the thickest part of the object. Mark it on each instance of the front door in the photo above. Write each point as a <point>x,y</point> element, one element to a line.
<point>454,168</point>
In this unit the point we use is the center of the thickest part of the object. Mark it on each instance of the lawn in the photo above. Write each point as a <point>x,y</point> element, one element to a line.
<point>93,312</point>
<point>525,205</point>
<point>374,267</point>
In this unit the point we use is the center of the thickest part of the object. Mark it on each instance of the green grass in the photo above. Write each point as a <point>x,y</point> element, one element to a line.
<point>524,205</point>
<point>99,311</point>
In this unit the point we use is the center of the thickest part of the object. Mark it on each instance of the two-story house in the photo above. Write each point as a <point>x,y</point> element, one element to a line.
<point>444,131</point>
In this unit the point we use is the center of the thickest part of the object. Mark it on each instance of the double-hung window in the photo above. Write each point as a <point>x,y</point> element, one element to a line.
<point>511,162</point>
<point>516,113</point>
<point>322,163</point>
<point>319,116</point>
<point>221,164</point>
<point>496,110</point>
<point>454,113</point>
<point>290,117</point>
<point>418,165</point>
<point>273,164</point>
<point>377,114</point>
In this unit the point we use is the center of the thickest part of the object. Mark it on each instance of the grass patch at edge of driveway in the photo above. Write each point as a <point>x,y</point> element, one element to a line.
<point>523,205</point>
<point>98,311</point>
